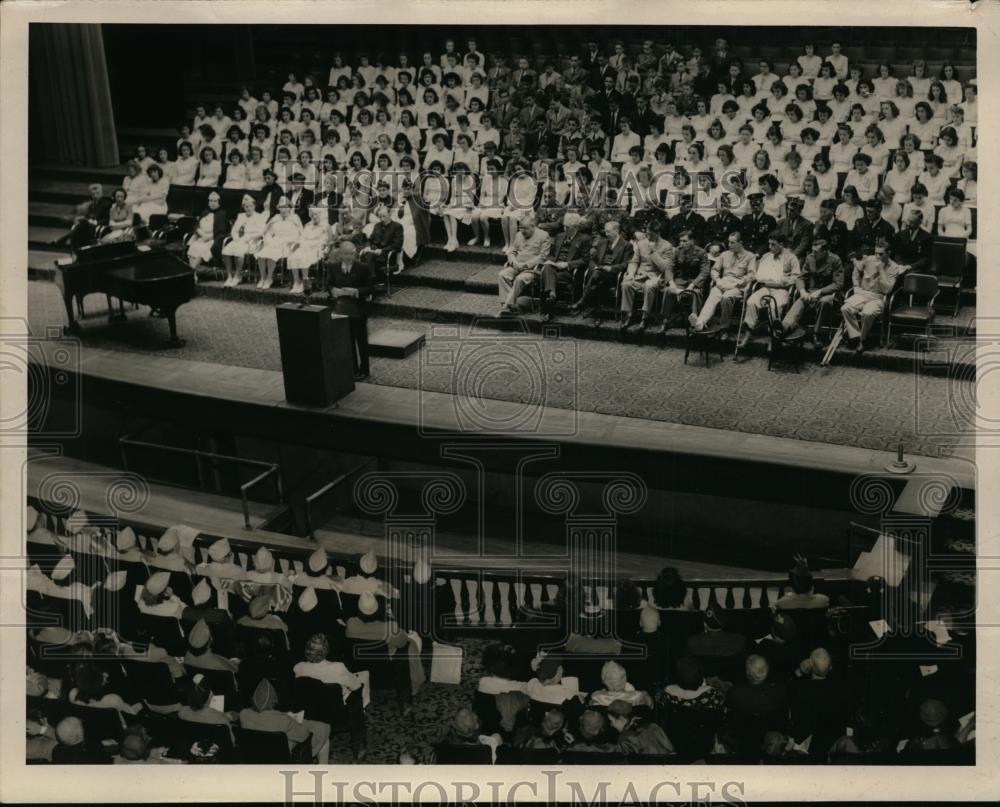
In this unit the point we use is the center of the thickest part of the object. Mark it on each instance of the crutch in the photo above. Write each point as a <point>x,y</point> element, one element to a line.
<point>743,316</point>
<point>838,337</point>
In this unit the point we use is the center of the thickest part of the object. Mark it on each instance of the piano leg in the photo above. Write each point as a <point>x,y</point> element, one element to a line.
<point>73,326</point>
<point>112,316</point>
<point>171,315</point>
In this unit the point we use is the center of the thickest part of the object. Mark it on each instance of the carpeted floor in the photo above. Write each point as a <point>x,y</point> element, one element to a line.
<point>842,405</point>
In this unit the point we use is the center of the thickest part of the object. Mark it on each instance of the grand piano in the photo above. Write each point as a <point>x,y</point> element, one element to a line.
<point>130,273</point>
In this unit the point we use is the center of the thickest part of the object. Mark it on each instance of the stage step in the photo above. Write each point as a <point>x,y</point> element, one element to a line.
<point>76,173</point>
<point>395,343</point>
<point>60,190</point>
<point>50,214</point>
<point>44,237</point>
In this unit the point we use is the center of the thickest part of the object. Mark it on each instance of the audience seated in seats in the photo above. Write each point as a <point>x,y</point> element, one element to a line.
<point>758,704</point>
<point>617,688</point>
<point>263,715</point>
<point>720,651</point>
<point>73,747</point>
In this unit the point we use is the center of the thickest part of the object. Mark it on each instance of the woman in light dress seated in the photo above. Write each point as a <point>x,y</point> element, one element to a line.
<point>521,192</point>
<point>461,203</point>
<point>282,233</point>
<point>492,195</point>
<point>119,219</point>
<point>209,168</point>
<point>311,247</point>
<point>246,238</point>
<point>153,199</point>
<point>955,219</point>
<point>185,166</point>
<point>210,231</point>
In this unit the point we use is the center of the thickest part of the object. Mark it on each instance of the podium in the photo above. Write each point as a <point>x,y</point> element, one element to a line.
<point>316,358</point>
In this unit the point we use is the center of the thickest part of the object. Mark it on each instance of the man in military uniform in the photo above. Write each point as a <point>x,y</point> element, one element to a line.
<point>822,279</point>
<point>732,274</point>
<point>686,220</point>
<point>549,217</point>
<point>757,226</point>
<point>873,278</point>
<point>566,262</point>
<point>870,229</point>
<point>720,225</point>
<point>777,272</point>
<point>797,231</point>
<point>689,277</point>
<point>832,230</point>
<point>651,266</point>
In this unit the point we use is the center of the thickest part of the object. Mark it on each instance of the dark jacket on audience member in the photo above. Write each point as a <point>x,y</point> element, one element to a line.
<point>912,249</point>
<point>755,232</point>
<point>838,239</point>
<point>387,236</point>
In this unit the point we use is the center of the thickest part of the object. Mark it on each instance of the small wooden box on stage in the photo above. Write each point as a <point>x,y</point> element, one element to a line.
<point>315,354</point>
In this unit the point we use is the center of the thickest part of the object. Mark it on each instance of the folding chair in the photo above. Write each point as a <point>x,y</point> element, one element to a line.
<point>948,264</point>
<point>393,260</point>
<point>920,292</point>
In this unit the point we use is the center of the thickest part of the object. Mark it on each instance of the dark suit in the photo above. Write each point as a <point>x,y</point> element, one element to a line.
<point>504,114</point>
<point>686,221</point>
<point>719,226</point>
<point>360,278</point>
<point>755,232</point>
<point>836,235</point>
<point>269,199</point>
<point>576,253</point>
<point>912,248</point>
<point>866,233</point>
<point>799,235</point>
<point>385,238</point>
<point>95,210</point>
<point>301,202</point>
<point>606,265</point>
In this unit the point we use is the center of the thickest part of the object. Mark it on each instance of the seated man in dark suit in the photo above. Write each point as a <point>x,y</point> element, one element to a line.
<point>351,288</point>
<point>570,254</point>
<point>758,705</point>
<point>610,259</point>
<point>89,216</point>
<point>301,197</point>
<point>386,237</point>
<point>720,651</point>
<point>911,246</point>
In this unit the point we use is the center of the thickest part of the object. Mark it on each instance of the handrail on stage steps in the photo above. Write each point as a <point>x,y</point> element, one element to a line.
<point>327,489</point>
<point>270,468</point>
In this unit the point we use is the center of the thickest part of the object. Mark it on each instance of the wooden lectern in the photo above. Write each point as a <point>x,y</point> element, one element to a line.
<point>315,354</point>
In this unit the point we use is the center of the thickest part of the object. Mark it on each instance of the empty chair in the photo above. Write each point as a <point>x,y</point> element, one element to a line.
<point>948,264</point>
<point>912,305</point>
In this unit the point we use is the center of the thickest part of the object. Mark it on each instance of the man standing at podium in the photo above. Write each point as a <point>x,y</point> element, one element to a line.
<point>351,287</point>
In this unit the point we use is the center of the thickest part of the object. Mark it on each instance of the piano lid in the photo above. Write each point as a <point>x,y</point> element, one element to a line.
<point>160,266</point>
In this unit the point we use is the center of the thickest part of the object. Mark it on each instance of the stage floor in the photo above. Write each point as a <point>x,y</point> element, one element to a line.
<point>846,406</point>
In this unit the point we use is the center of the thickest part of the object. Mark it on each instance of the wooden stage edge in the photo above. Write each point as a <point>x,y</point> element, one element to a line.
<point>436,412</point>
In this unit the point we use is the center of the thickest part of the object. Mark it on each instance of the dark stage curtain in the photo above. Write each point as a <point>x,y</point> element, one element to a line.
<point>73,121</point>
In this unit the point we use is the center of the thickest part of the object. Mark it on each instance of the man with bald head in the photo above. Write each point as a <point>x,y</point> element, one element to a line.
<point>73,747</point>
<point>818,703</point>
<point>89,216</point>
<point>759,705</point>
<point>531,246</point>
<point>351,286</point>
<point>566,262</point>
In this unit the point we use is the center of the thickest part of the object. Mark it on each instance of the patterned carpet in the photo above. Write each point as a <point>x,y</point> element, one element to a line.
<point>841,405</point>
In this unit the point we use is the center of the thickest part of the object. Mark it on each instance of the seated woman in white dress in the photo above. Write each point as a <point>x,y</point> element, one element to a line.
<point>133,181</point>
<point>461,203</point>
<point>209,233</point>
<point>154,194</point>
<point>119,219</point>
<point>492,194</point>
<point>245,239</point>
<point>954,219</point>
<point>185,168</point>
<point>849,210</point>
<point>311,246</point>
<point>969,181</point>
<point>521,192</point>
<point>236,172</point>
<point>255,166</point>
<point>283,232</point>
<point>209,168</point>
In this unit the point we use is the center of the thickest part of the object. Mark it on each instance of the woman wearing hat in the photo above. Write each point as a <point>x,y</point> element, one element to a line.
<point>312,245</point>
<point>245,239</point>
<point>206,240</point>
<point>282,232</point>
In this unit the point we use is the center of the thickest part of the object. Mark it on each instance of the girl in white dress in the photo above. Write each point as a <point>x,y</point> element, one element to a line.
<point>236,172</point>
<point>185,166</point>
<point>862,177</point>
<point>521,192</point>
<point>246,235</point>
<point>211,225</point>
<point>969,181</point>
<point>935,180</point>
<point>955,219</point>
<point>901,176</point>
<point>903,99</point>
<point>842,152</point>
<point>825,178</point>
<point>919,79</point>
<point>492,193</point>
<point>885,84</point>
<point>774,200</point>
<point>133,181</point>
<point>850,209</point>
<point>890,124</point>
<point>255,168</point>
<point>283,231</point>
<point>811,200</point>
<point>310,248</point>
<point>950,151</point>
<point>876,148</point>
<point>209,168</point>
<point>119,219</point>
<point>461,203</point>
<point>154,194</point>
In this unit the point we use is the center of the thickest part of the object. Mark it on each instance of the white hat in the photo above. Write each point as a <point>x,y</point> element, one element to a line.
<point>367,604</point>
<point>79,519</point>
<point>115,580</point>
<point>157,582</point>
<point>64,568</point>
<point>201,593</point>
<point>369,562</point>
<point>30,518</point>
<point>125,539</point>
<point>263,560</point>
<point>308,599</point>
<point>318,560</point>
<point>219,550</point>
<point>421,571</point>
<point>168,541</point>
